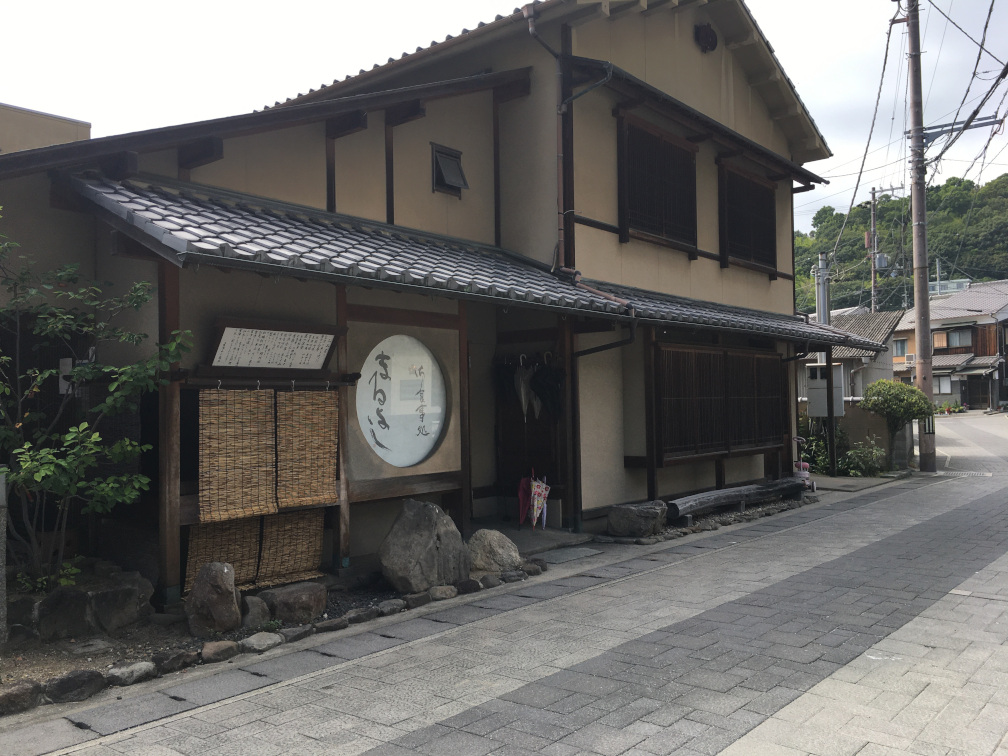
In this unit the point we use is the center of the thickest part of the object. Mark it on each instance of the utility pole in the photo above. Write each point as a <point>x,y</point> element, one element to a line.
<point>922,308</point>
<point>871,243</point>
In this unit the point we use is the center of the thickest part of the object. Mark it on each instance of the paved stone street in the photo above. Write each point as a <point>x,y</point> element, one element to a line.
<point>870,623</point>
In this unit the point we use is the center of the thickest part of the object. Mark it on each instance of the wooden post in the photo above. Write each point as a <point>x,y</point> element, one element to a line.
<point>169,440</point>
<point>465,516</point>
<point>343,431</point>
<point>650,408</point>
<point>571,441</point>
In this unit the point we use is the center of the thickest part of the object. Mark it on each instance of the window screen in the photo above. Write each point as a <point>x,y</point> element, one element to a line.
<point>660,180</point>
<point>748,219</point>
<point>447,174</point>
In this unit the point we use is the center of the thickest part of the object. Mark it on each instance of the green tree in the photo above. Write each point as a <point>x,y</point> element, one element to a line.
<point>51,420</point>
<point>897,402</point>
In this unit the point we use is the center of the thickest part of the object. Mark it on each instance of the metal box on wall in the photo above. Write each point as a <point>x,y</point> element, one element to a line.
<point>816,375</point>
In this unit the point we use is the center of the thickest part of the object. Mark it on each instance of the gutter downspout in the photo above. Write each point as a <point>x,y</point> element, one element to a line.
<point>529,12</point>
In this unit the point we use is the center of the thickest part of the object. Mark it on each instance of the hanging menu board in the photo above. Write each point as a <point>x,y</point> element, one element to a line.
<point>272,349</point>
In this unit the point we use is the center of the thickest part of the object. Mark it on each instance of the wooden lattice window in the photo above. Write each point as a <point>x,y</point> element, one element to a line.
<point>716,401</point>
<point>658,184</point>
<point>748,219</point>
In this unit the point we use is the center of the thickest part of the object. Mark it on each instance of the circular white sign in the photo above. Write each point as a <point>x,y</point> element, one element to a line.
<point>401,401</point>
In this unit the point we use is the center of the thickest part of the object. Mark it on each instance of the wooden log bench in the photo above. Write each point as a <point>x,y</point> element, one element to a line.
<point>738,498</point>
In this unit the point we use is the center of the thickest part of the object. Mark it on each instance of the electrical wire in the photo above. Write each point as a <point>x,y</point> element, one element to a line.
<point>978,44</point>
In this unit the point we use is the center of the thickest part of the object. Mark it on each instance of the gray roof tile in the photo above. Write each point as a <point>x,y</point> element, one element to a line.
<point>269,235</point>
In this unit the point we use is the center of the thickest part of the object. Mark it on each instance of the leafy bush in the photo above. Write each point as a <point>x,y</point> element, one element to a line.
<point>950,408</point>
<point>863,460</point>
<point>899,403</point>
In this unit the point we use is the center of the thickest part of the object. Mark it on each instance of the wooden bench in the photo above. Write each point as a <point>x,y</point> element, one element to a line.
<point>738,497</point>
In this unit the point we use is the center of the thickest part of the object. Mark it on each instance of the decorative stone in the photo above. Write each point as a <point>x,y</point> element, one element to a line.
<point>291,634</point>
<point>256,613</point>
<point>637,520</point>
<point>212,604</point>
<point>78,685</point>
<point>492,551</point>
<point>115,607</point>
<point>174,659</point>
<point>64,613</point>
<point>414,600</point>
<point>19,696</point>
<point>144,589</point>
<point>130,674</point>
<point>469,586</point>
<point>538,562</point>
<point>443,592</point>
<point>531,569</point>
<point>260,642</point>
<point>361,614</point>
<point>490,581</point>
<point>218,651</point>
<point>423,549</point>
<point>513,576</point>
<point>392,606</point>
<point>297,603</point>
<point>331,625</point>
<point>651,541</point>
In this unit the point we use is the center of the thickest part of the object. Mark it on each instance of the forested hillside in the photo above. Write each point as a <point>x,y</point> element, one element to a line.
<point>967,232</point>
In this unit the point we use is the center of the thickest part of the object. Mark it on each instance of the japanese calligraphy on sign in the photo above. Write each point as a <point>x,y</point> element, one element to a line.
<point>260,348</point>
<point>401,401</point>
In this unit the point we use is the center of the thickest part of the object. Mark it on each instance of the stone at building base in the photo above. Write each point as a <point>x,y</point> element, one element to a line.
<point>218,651</point>
<point>443,592</point>
<point>298,603</point>
<point>20,696</point>
<point>78,685</point>
<point>131,674</point>
<point>636,520</point>
<point>361,614</point>
<point>256,615</point>
<point>212,605</point>
<point>531,569</point>
<point>492,551</point>
<point>423,549</point>
<point>469,586</point>
<point>392,606</point>
<point>415,600</point>
<point>331,625</point>
<point>291,634</point>
<point>490,581</point>
<point>260,642</point>
<point>513,576</point>
<point>174,660</point>
<point>64,613</point>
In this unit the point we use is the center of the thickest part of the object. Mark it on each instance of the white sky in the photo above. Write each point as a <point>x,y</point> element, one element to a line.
<point>127,66</point>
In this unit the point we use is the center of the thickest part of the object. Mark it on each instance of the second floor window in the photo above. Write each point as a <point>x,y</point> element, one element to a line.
<point>951,339</point>
<point>899,348</point>
<point>748,209</point>
<point>659,184</point>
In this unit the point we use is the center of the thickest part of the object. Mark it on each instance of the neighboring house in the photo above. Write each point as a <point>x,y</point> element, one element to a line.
<point>968,346</point>
<point>23,129</point>
<point>860,366</point>
<point>601,292</point>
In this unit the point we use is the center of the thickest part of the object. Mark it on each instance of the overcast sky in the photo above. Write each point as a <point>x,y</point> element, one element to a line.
<point>127,66</point>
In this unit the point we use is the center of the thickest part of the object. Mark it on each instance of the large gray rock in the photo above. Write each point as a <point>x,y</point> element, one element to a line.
<point>115,607</point>
<point>78,685</point>
<point>297,603</point>
<point>637,520</point>
<point>423,549</point>
<point>64,613</point>
<point>218,651</point>
<point>212,605</point>
<point>492,551</point>
<point>260,642</point>
<point>256,613</point>
<point>175,659</point>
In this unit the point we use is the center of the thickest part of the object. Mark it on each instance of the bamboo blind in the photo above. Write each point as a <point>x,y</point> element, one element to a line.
<point>307,448</point>
<point>235,542</point>
<point>237,448</point>
<point>291,547</point>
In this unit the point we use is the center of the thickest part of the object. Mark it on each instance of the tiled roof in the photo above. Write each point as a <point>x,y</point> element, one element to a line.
<point>187,223</point>
<point>949,361</point>
<point>669,309</point>
<point>873,326</point>
<point>980,300</point>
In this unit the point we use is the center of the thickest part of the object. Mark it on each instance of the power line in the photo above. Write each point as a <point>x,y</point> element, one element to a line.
<point>978,44</point>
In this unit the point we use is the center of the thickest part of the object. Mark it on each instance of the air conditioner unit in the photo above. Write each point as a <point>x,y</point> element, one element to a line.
<point>911,359</point>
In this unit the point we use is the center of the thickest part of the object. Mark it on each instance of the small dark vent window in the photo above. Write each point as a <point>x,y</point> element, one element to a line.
<point>447,170</point>
<point>748,219</point>
<point>661,186</point>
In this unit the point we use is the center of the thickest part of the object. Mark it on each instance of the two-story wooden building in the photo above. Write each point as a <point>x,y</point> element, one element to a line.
<point>559,242</point>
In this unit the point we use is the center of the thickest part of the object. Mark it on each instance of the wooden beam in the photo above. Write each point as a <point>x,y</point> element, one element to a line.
<point>466,437</point>
<point>169,440</point>
<point>495,115</point>
<point>346,124</point>
<point>512,91</point>
<point>389,175</point>
<point>200,152</point>
<point>395,316</point>
<point>567,146</point>
<point>330,178</point>
<point>407,485</point>
<point>651,441</point>
<point>120,166</point>
<point>766,78</point>
<point>570,440</point>
<point>405,112</point>
<point>343,428</point>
